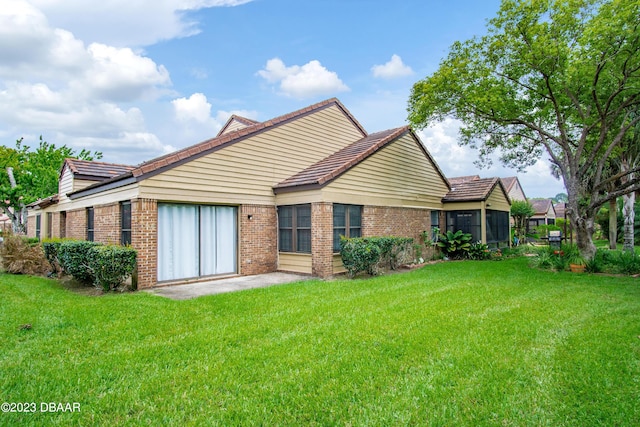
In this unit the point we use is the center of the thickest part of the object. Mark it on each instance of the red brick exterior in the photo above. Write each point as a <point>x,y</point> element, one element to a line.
<point>322,239</point>
<point>144,239</point>
<point>258,239</point>
<point>77,224</point>
<point>401,222</point>
<point>31,226</point>
<point>106,224</point>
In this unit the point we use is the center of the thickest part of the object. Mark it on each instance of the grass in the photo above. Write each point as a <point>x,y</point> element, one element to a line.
<point>456,343</point>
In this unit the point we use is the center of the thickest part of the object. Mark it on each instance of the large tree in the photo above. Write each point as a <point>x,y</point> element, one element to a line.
<point>554,77</point>
<point>26,176</point>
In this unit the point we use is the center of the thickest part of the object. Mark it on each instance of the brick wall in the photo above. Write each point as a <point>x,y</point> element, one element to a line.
<point>31,226</point>
<point>106,224</point>
<point>389,221</point>
<point>77,224</point>
<point>55,226</point>
<point>322,239</point>
<point>258,239</point>
<point>144,239</point>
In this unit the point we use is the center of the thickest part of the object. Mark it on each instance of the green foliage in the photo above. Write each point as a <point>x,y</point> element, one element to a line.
<point>455,245</point>
<point>555,77</point>
<point>50,248</point>
<point>20,256</point>
<point>36,172</point>
<point>359,254</point>
<point>479,251</point>
<point>111,265</point>
<point>602,219</point>
<point>521,211</point>
<point>74,257</point>
<point>369,253</point>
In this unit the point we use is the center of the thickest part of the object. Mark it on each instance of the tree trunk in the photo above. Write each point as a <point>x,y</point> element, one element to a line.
<point>613,224</point>
<point>629,220</point>
<point>19,213</point>
<point>583,221</point>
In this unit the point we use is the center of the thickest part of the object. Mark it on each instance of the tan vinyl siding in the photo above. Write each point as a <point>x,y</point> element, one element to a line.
<point>233,126</point>
<point>297,263</point>
<point>338,267</point>
<point>398,175</point>
<point>128,192</point>
<point>65,184</point>
<point>463,206</point>
<point>498,201</point>
<point>246,171</point>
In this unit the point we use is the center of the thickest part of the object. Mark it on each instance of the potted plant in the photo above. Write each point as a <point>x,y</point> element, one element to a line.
<point>577,263</point>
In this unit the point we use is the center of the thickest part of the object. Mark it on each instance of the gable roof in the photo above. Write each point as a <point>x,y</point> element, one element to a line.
<point>162,163</point>
<point>542,206</point>
<point>473,190</point>
<point>168,161</point>
<point>235,118</point>
<point>461,179</point>
<point>331,167</point>
<point>94,171</point>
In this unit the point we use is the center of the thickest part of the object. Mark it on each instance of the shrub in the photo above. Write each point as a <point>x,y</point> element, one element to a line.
<point>19,256</point>
<point>479,251</point>
<point>359,254</point>
<point>73,256</point>
<point>455,245</point>
<point>370,253</point>
<point>50,248</point>
<point>627,263</point>
<point>111,265</point>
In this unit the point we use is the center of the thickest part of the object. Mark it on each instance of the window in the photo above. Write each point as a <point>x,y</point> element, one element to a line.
<point>125,223</point>
<point>196,240</point>
<point>497,226</point>
<point>49,225</point>
<point>294,228</point>
<point>38,225</point>
<point>435,224</point>
<point>90,224</point>
<point>347,222</point>
<point>467,221</point>
<point>63,224</point>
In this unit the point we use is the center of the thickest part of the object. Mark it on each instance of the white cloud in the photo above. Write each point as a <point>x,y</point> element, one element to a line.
<point>308,80</point>
<point>392,69</point>
<point>196,107</point>
<point>441,139</point>
<point>121,75</point>
<point>138,23</point>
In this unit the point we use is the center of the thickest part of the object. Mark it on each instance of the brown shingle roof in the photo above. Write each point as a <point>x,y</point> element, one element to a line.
<point>159,164</point>
<point>472,191</point>
<point>541,206</point>
<point>95,171</point>
<point>460,179</point>
<point>339,162</point>
<point>508,182</point>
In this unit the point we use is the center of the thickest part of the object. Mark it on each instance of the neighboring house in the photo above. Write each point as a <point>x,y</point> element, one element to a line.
<point>479,206</point>
<point>513,188</point>
<point>545,213</point>
<point>5,222</point>
<point>259,197</point>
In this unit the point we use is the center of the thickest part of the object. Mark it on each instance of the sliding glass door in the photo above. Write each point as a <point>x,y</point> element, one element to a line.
<point>195,240</point>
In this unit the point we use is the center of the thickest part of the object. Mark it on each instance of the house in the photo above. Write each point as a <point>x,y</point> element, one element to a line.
<point>259,197</point>
<point>513,188</point>
<point>479,206</point>
<point>545,213</point>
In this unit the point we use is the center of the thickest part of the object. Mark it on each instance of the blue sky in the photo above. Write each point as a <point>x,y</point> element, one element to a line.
<point>138,79</point>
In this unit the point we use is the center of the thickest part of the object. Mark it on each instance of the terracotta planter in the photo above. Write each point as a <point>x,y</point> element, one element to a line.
<point>577,268</point>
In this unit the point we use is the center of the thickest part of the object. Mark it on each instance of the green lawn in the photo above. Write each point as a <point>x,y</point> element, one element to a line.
<point>456,343</point>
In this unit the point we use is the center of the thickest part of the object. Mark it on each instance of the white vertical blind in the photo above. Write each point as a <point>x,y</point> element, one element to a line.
<point>208,240</point>
<point>196,241</point>
<point>177,241</point>
<point>226,239</point>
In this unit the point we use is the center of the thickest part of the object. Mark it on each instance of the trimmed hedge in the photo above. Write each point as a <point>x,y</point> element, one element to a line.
<point>104,266</point>
<point>368,254</point>
<point>73,256</point>
<point>111,265</point>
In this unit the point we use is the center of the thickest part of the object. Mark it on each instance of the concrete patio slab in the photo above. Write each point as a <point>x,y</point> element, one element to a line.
<point>232,284</point>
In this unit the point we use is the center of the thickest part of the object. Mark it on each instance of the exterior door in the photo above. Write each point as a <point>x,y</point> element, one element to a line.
<point>196,241</point>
